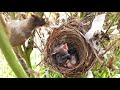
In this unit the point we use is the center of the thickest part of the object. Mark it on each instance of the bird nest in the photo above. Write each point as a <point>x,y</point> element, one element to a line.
<point>71,32</point>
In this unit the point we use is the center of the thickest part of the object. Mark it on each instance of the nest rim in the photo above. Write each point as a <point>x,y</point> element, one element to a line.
<point>66,34</point>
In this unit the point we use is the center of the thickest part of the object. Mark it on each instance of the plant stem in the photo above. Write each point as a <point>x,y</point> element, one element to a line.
<point>10,55</point>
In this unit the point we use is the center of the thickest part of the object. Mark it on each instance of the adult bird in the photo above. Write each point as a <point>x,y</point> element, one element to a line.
<point>21,29</point>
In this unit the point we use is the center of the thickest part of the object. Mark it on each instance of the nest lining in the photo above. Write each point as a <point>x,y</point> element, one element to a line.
<point>70,33</point>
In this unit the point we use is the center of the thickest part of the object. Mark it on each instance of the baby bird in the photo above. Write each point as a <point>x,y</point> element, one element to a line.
<point>61,54</point>
<point>73,59</point>
<point>71,62</point>
<point>62,49</point>
<point>61,60</point>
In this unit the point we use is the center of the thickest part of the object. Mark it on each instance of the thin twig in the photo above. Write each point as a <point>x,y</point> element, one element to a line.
<point>67,14</point>
<point>38,34</point>
<point>37,46</point>
<point>111,46</point>
<point>116,17</point>
<point>40,62</point>
<point>35,42</point>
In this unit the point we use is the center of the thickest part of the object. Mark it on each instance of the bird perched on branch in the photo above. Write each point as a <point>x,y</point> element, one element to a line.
<point>18,31</point>
<point>21,30</point>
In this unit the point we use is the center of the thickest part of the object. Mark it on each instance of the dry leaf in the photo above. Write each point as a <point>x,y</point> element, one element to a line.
<point>97,26</point>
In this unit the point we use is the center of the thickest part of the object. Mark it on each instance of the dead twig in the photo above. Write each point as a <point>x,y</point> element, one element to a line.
<point>111,46</point>
<point>116,17</point>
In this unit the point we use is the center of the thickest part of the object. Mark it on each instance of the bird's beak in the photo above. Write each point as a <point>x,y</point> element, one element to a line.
<point>38,27</point>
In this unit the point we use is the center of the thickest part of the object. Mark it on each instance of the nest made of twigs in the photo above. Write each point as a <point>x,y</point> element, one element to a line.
<point>72,33</point>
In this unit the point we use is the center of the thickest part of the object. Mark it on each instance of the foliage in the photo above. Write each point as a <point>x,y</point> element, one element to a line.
<point>35,55</point>
<point>10,55</point>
